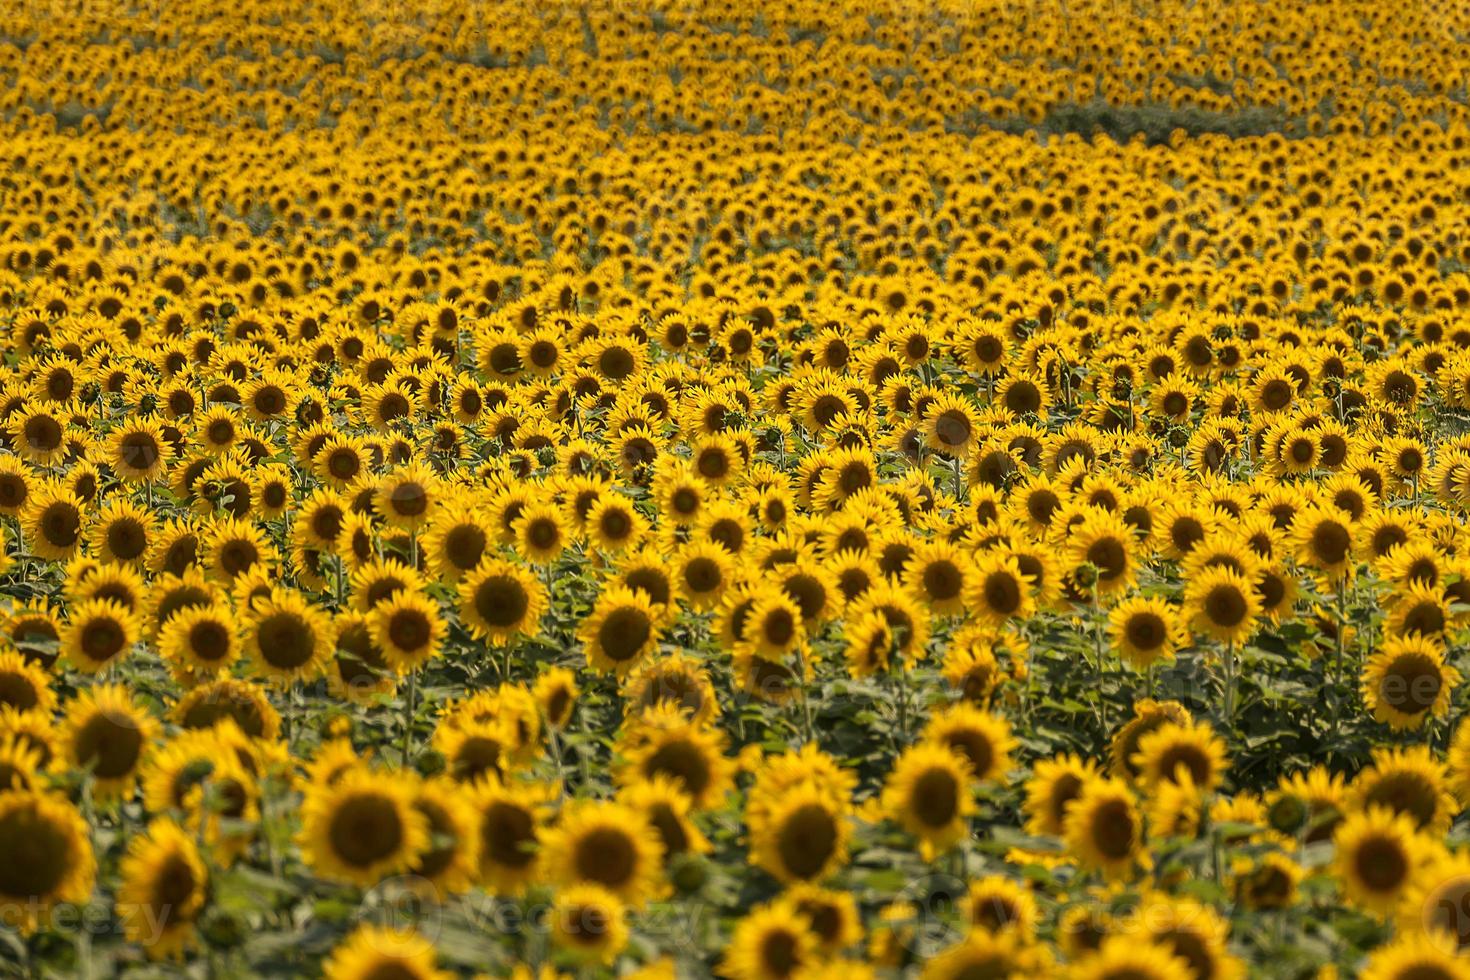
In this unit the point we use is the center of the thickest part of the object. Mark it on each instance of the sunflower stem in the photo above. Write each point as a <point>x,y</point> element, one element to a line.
<point>409,705</point>
<point>1097,654</point>
<point>806,704</point>
<point>1229,681</point>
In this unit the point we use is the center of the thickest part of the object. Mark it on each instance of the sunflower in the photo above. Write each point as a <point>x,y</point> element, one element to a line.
<point>666,806</point>
<point>172,594</point>
<point>21,762</point>
<point>38,434</point>
<point>236,546</point>
<point>475,749</point>
<point>972,668</point>
<point>409,630</point>
<point>983,739</point>
<point>120,584</point>
<point>1183,525</point>
<point>1379,855</point>
<point>1222,604</point>
<point>1407,681</point>
<point>456,541</point>
<point>406,497</point>
<point>613,524</point>
<point>928,792</point>
<point>363,828</point>
<point>1126,958</point>
<point>1144,630</point>
<point>556,694</point>
<point>359,670</point>
<point>869,645</point>
<point>1420,608</point>
<point>240,701</point>
<point>176,548</point>
<point>52,522</point>
<point>905,617</point>
<point>1107,544</point>
<point>138,451</point>
<point>621,630</point>
<point>997,590</point>
<point>201,639</point>
<point>950,426</point>
<point>1191,931</point>
<point>176,771</point>
<point>108,736</point>
<point>287,638</point>
<point>33,631</point>
<point>46,849</point>
<point>1181,749</point>
<point>772,629</point>
<point>999,905</point>
<point>1435,903</point>
<point>380,579</point>
<point>780,775</point>
<point>1322,539</point>
<point>163,889</point>
<point>1308,804</point>
<point>540,536</point>
<point>769,943</point>
<point>675,679</point>
<point>1053,787</point>
<point>98,633</point>
<point>321,519</point>
<point>665,741</point>
<point>800,838</point>
<point>499,600</point>
<point>987,954</point>
<point>451,860</point>
<point>608,844</point>
<point>1414,957</point>
<point>588,922</point>
<point>1102,827</point>
<point>508,820</point>
<point>702,572</point>
<point>1410,781</point>
<point>24,684</point>
<point>375,952</point>
<point>17,485</point>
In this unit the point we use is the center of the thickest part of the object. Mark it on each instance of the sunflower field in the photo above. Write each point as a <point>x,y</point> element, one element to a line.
<point>830,490</point>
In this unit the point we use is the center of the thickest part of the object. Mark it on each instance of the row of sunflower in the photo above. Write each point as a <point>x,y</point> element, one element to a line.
<point>529,490</point>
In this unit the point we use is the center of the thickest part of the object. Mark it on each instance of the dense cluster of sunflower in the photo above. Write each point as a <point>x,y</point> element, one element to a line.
<point>697,488</point>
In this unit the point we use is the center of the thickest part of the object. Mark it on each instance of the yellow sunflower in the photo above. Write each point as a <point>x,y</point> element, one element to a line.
<point>163,890</point>
<point>608,844</point>
<point>363,828</point>
<point>928,793</point>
